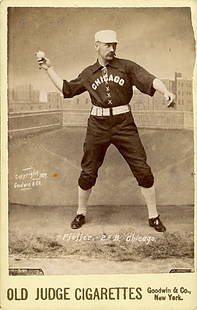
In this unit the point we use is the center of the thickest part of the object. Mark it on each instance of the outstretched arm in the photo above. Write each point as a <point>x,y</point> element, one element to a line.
<point>69,89</point>
<point>57,81</point>
<point>44,63</point>
<point>160,86</point>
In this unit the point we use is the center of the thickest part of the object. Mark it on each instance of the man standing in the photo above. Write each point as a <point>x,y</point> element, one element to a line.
<point>110,84</point>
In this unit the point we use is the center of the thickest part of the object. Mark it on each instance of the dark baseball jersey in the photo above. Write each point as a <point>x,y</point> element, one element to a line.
<point>113,89</point>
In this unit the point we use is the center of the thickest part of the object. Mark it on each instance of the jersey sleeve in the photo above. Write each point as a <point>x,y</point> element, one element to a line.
<point>73,88</point>
<point>142,79</point>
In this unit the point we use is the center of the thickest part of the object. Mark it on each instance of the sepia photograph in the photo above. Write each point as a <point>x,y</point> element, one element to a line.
<point>100,140</point>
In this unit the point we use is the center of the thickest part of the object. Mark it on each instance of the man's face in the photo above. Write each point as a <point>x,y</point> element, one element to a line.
<point>106,50</point>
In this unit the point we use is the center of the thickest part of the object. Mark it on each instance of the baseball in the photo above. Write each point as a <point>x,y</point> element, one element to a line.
<point>40,55</point>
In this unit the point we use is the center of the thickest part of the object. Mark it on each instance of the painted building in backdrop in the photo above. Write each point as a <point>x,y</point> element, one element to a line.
<point>182,88</point>
<point>184,97</point>
<point>24,98</point>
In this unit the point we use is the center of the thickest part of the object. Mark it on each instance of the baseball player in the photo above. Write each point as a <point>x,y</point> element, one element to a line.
<point>110,82</point>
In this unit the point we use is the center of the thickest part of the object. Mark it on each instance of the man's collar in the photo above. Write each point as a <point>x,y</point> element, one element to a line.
<point>96,66</point>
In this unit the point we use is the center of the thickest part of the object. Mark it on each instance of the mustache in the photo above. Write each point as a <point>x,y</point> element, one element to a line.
<point>111,54</point>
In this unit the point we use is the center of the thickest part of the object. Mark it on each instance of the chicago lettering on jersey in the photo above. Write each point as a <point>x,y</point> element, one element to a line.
<point>101,79</point>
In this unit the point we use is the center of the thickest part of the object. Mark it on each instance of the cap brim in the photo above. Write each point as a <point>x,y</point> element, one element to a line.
<point>106,41</point>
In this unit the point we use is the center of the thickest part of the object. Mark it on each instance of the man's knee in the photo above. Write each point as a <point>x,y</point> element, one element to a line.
<point>86,181</point>
<point>146,181</point>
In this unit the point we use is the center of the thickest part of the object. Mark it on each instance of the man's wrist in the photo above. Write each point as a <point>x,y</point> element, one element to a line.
<point>49,68</point>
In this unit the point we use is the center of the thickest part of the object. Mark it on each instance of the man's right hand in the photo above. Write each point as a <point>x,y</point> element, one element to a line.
<point>44,63</point>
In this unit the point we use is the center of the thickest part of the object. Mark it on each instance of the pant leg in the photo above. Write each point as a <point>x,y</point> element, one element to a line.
<point>96,143</point>
<point>126,139</point>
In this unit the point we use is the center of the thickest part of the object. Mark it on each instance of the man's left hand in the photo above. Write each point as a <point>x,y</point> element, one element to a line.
<point>169,98</point>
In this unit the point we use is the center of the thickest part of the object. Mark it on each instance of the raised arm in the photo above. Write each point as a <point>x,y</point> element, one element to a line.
<point>57,81</point>
<point>69,89</point>
<point>44,63</point>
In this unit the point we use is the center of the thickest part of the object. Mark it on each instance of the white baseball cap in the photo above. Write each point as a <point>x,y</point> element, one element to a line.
<point>106,36</point>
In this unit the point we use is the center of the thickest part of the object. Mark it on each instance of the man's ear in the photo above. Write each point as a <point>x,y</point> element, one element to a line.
<point>97,44</point>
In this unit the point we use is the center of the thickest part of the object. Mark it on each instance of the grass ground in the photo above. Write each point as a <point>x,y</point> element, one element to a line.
<point>121,237</point>
<point>166,245</point>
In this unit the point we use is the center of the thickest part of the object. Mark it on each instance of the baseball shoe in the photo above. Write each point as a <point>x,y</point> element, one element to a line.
<point>157,224</point>
<point>78,221</point>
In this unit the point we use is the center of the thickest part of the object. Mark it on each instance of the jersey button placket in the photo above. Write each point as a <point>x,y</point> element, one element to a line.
<point>107,89</point>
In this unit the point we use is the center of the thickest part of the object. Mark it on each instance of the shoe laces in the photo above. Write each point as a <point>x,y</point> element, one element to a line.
<point>156,221</point>
<point>79,217</point>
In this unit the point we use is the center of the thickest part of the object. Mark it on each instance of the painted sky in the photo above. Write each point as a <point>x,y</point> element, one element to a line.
<point>160,39</point>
